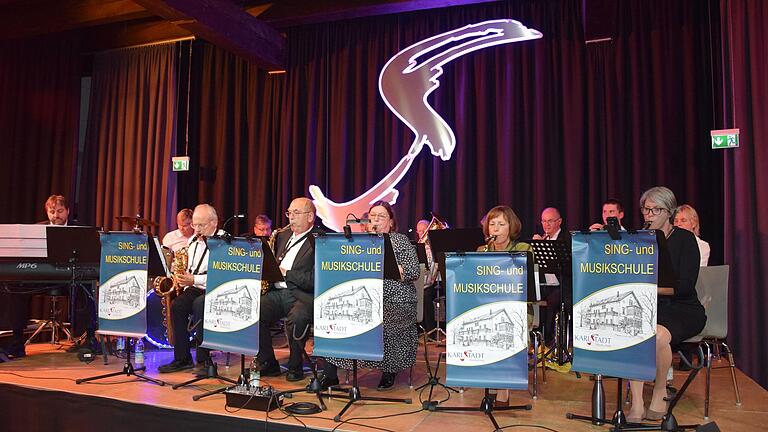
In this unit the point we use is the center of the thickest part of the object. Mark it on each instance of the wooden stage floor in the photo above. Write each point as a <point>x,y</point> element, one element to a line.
<point>48,369</point>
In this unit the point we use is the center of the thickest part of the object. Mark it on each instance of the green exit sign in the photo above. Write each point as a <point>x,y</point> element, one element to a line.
<point>180,163</point>
<point>725,138</point>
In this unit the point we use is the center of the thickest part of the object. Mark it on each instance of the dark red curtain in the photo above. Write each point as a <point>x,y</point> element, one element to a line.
<point>131,137</point>
<point>745,106</point>
<point>40,88</point>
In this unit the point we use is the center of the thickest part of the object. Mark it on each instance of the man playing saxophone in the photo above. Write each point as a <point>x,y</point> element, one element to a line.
<point>191,301</point>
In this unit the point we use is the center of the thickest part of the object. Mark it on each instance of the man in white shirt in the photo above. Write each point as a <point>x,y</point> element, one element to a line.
<point>550,221</point>
<point>179,238</point>
<point>192,300</point>
<point>292,299</point>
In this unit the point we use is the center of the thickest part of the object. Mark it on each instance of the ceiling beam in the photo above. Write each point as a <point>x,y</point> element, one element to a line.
<point>226,25</point>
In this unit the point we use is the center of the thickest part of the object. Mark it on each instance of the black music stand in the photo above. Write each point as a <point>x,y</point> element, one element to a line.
<point>271,273</point>
<point>391,271</point>
<point>554,257</point>
<point>72,247</point>
<point>451,240</point>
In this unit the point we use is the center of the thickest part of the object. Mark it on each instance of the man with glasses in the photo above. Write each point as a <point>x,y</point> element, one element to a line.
<point>192,300</point>
<point>292,299</point>
<point>262,226</point>
<point>551,221</point>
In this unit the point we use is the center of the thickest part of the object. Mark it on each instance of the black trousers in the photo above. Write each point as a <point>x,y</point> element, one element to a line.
<point>428,319</point>
<point>191,302</point>
<point>296,307</point>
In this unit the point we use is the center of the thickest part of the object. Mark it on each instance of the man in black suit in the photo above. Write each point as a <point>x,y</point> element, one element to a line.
<point>292,299</point>
<point>551,222</point>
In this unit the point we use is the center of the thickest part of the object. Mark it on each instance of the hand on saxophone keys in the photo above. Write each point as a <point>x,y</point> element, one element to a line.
<point>186,279</point>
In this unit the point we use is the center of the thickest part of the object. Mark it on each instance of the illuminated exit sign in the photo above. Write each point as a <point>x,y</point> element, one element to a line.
<point>725,138</point>
<point>181,163</point>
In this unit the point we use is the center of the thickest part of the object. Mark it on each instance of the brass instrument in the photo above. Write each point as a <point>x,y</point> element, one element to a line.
<point>435,224</point>
<point>488,242</point>
<point>271,244</point>
<point>168,287</point>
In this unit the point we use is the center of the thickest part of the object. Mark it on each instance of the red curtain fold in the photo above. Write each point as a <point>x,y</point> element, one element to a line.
<point>40,87</point>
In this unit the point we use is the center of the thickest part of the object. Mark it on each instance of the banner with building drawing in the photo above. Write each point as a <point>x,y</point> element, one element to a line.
<point>487,330</point>
<point>232,296</point>
<point>348,296</point>
<point>614,311</point>
<point>123,284</point>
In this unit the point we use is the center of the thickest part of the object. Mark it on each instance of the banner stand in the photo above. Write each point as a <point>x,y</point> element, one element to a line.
<point>270,273</point>
<point>128,368</point>
<point>353,395</point>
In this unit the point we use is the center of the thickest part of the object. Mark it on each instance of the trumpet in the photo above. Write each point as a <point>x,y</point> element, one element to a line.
<point>488,242</point>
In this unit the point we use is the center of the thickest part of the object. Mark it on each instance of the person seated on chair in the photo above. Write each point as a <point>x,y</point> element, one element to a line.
<point>611,208</point>
<point>400,335</point>
<point>191,301</point>
<point>680,315</point>
<point>686,217</point>
<point>551,222</point>
<point>502,227</point>
<point>294,298</point>
<point>57,212</point>
<point>431,279</point>
<point>262,226</point>
<point>179,238</point>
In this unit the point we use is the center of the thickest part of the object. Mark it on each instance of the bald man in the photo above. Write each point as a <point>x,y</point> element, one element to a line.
<point>551,222</point>
<point>292,299</point>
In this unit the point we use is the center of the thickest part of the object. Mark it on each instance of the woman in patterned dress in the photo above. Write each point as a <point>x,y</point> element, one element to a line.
<point>400,337</point>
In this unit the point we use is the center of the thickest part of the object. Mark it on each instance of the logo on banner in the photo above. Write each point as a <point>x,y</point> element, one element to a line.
<point>123,295</point>
<point>487,334</point>
<point>615,318</point>
<point>349,309</point>
<point>233,306</point>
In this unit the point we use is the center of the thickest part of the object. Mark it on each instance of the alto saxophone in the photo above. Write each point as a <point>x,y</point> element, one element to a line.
<point>271,245</point>
<point>168,287</point>
<point>488,242</point>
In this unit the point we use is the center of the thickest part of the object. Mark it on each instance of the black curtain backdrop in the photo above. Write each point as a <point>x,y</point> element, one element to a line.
<point>131,137</point>
<point>40,88</point>
<point>745,106</point>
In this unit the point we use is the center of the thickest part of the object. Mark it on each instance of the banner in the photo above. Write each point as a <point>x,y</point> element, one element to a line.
<point>233,296</point>
<point>614,310</point>
<point>487,330</point>
<point>349,291</point>
<point>123,284</point>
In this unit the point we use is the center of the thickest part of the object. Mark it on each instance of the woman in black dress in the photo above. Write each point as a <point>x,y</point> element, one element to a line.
<point>400,338</point>
<point>680,315</point>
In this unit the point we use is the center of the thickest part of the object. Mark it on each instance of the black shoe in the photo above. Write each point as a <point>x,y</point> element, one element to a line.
<point>16,352</point>
<point>292,375</point>
<point>328,381</point>
<point>387,381</point>
<point>270,369</point>
<point>176,366</point>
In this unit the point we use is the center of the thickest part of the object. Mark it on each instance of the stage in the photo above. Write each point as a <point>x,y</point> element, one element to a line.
<point>38,392</point>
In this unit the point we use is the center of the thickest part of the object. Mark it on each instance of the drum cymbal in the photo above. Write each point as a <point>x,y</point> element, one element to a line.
<point>136,221</point>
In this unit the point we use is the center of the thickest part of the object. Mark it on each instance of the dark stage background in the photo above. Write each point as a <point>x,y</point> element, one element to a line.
<point>550,122</point>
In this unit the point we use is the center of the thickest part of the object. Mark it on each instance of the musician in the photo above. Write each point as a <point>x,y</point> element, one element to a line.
<point>551,222</point>
<point>179,238</point>
<point>430,280</point>
<point>192,300</point>
<point>611,208</point>
<point>686,217</point>
<point>57,211</point>
<point>400,338</point>
<point>262,226</point>
<point>680,315</point>
<point>294,298</point>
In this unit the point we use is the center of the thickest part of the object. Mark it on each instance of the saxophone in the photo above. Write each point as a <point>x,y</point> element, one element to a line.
<point>168,287</point>
<point>271,244</point>
<point>488,242</point>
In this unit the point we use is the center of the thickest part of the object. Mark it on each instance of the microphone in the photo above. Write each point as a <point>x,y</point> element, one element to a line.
<point>351,218</point>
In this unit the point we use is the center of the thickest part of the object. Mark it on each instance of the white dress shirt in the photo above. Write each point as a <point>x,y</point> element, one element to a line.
<point>293,250</point>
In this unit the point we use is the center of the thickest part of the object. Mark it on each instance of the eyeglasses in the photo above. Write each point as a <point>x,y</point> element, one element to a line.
<point>654,211</point>
<point>199,225</point>
<point>378,215</point>
<point>549,221</point>
<point>290,213</point>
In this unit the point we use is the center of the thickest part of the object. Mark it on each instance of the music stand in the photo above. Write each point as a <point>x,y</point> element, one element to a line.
<point>271,273</point>
<point>450,240</point>
<point>391,271</point>
<point>553,257</point>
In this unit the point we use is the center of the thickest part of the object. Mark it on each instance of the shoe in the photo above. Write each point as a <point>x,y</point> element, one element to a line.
<point>176,366</point>
<point>500,403</point>
<point>638,419</point>
<point>292,375</point>
<point>387,381</point>
<point>270,369</point>
<point>328,381</point>
<point>653,415</point>
<point>17,352</point>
